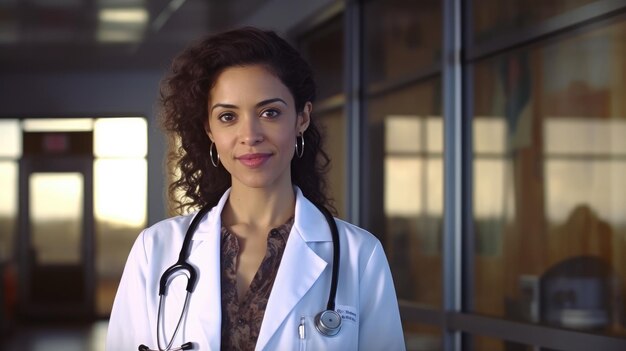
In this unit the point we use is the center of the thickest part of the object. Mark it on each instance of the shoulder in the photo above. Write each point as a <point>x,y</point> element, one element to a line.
<point>172,225</point>
<point>356,233</point>
<point>164,235</point>
<point>358,243</point>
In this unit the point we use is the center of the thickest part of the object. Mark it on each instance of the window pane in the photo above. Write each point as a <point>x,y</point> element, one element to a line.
<point>10,138</point>
<point>56,214</point>
<point>323,49</point>
<point>120,192</point>
<point>333,124</point>
<point>549,186</point>
<point>422,337</point>
<point>8,208</point>
<point>493,18</point>
<point>401,37</point>
<point>406,187</point>
<point>121,137</point>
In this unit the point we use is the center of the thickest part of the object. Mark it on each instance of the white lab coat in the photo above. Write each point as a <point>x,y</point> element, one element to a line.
<point>366,296</point>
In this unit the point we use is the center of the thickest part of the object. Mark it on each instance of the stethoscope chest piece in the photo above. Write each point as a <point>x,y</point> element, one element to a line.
<point>328,322</point>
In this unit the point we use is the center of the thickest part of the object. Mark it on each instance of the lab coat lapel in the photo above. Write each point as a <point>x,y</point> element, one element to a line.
<point>299,269</point>
<point>206,304</point>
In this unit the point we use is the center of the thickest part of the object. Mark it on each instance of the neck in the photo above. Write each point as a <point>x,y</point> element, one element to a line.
<point>259,207</point>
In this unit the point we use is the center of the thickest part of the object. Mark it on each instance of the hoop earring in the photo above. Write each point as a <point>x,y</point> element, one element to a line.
<point>215,163</point>
<point>300,150</point>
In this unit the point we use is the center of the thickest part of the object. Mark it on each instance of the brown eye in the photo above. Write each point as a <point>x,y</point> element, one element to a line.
<point>226,117</point>
<point>270,113</point>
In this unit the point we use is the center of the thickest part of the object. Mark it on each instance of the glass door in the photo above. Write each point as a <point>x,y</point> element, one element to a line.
<point>56,241</point>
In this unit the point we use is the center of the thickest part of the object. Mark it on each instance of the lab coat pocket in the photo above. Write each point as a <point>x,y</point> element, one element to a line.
<point>309,338</point>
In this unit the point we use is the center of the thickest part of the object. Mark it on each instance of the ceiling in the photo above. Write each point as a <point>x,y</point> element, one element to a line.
<point>54,35</point>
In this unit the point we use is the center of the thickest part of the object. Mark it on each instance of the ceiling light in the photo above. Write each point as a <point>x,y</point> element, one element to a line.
<point>124,15</point>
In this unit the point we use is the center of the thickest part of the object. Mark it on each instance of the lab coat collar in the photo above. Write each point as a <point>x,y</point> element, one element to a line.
<point>205,256</point>
<point>299,268</point>
<point>213,224</point>
<point>309,221</point>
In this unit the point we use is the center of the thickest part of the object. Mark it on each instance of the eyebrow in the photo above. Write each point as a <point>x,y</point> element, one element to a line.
<point>259,104</point>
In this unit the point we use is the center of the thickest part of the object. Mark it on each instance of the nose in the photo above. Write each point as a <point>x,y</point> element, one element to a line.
<point>250,131</point>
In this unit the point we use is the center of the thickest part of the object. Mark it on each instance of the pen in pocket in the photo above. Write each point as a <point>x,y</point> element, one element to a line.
<point>302,334</point>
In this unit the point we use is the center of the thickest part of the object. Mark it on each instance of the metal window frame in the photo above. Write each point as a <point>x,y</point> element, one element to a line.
<point>356,138</point>
<point>453,214</point>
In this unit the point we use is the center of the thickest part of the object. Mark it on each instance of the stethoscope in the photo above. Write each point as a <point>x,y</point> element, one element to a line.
<point>327,322</point>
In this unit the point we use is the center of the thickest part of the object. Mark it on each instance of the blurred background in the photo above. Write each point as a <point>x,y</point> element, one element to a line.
<point>483,142</point>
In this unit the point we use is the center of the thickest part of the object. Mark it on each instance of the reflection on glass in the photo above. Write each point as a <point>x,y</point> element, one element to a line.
<point>323,48</point>
<point>8,207</point>
<point>58,124</point>
<point>333,124</point>
<point>406,181</point>
<point>401,37</point>
<point>489,135</point>
<point>422,337</point>
<point>494,17</point>
<point>121,137</point>
<point>584,136</point>
<point>402,181</point>
<point>549,184</point>
<point>56,214</point>
<point>10,138</point>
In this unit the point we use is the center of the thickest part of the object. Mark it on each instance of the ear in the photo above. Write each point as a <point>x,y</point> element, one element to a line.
<point>304,118</point>
<point>207,130</point>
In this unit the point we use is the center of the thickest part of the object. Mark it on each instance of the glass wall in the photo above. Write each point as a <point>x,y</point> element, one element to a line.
<point>494,18</point>
<point>422,337</point>
<point>406,174</point>
<point>535,258</point>
<point>549,164</point>
<point>322,46</point>
<point>404,144</point>
<point>543,150</point>
<point>402,39</point>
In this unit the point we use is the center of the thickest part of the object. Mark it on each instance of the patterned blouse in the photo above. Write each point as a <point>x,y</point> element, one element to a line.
<point>241,323</point>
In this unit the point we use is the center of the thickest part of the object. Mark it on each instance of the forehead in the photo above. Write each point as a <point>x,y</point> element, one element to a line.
<point>242,83</point>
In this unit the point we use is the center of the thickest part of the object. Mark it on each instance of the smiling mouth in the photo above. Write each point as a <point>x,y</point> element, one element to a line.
<point>253,160</point>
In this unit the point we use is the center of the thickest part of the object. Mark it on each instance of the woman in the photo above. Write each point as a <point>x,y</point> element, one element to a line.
<point>240,103</point>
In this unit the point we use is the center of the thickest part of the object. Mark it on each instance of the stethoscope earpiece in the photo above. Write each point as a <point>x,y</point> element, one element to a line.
<point>328,322</point>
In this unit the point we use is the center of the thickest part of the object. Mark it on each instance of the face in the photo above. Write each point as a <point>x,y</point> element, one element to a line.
<point>253,123</point>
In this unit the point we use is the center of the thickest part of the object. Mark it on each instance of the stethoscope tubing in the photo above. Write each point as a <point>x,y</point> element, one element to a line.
<point>180,320</point>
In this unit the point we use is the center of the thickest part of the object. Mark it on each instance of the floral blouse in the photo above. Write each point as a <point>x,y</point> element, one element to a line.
<point>241,323</point>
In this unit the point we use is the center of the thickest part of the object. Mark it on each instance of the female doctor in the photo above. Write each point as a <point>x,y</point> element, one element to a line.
<point>256,271</point>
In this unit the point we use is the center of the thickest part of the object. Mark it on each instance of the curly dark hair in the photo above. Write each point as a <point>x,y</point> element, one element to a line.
<point>184,110</point>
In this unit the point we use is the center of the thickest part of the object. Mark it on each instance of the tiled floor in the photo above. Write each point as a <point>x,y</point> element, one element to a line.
<point>57,338</point>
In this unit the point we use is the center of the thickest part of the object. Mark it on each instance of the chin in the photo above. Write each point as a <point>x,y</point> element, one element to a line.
<point>256,182</point>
